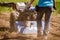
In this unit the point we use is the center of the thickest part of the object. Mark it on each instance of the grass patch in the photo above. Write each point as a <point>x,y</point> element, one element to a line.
<point>57,0</point>
<point>5,9</point>
<point>58,5</point>
<point>13,0</point>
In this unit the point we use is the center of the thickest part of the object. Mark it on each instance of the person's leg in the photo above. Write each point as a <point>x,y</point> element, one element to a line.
<point>39,22</point>
<point>48,12</point>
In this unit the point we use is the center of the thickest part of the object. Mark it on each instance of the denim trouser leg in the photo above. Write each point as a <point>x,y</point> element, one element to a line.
<point>47,21</point>
<point>47,11</point>
<point>39,22</point>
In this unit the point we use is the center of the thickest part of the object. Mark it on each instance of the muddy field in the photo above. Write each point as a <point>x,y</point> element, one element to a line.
<point>6,35</point>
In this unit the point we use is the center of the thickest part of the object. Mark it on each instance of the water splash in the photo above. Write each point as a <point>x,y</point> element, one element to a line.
<point>28,30</point>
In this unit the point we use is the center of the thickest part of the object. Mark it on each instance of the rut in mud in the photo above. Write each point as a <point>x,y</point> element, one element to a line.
<point>4,23</point>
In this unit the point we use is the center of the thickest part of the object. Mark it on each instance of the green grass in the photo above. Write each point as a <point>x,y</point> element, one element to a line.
<point>13,0</point>
<point>34,3</point>
<point>58,5</point>
<point>57,0</point>
<point>7,9</point>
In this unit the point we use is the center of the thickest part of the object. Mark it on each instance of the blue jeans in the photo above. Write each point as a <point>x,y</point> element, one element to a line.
<point>40,12</point>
